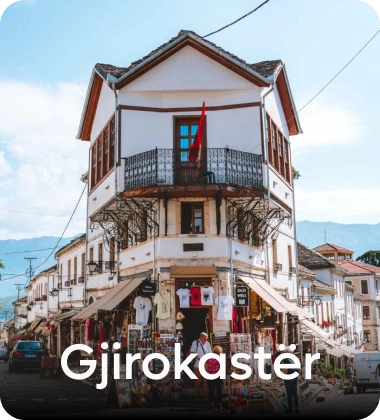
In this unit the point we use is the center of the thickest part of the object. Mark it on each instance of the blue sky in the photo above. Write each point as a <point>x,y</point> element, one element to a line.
<point>49,47</point>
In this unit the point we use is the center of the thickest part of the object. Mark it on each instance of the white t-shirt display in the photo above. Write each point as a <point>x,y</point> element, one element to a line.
<point>207,295</point>
<point>163,305</point>
<point>224,307</point>
<point>184,298</point>
<point>143,306</point>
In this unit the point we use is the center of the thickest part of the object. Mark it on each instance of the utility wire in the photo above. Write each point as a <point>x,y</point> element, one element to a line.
<point>25,252</point>
<point>325,86</point>
<point>233,23</point>
<point>67,225</point>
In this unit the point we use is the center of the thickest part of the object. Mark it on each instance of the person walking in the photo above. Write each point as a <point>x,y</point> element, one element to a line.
<point>212,366</point>
<point>291,385</point>
<point>200,347</point>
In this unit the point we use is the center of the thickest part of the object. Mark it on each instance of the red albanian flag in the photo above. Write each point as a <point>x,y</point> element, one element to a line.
<point>196,146</point>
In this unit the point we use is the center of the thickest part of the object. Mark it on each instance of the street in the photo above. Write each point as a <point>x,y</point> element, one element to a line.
<point>26,395</point>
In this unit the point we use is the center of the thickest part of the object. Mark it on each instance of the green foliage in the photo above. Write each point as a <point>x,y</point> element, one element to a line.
<point>1,266</point>
<point>26,326</point>
<point>370,257</point>
<point>326,369</point>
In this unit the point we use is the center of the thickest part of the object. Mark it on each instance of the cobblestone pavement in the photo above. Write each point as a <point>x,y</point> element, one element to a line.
<point>25,395</point>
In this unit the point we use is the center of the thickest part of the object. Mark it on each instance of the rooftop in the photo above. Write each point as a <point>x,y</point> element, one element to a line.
<point>264,68</point>
<point>356,267</point>
<point>331,247</point>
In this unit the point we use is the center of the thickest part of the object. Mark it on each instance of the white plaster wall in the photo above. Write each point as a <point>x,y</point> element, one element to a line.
<point>104,111</point>
<point>238,128</point>
<point>189,69</point>
<point>280,188</point>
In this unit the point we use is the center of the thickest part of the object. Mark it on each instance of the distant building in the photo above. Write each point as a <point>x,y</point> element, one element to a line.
<point>334,252</point>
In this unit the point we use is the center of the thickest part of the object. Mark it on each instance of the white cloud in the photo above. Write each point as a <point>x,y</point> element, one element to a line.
<point>326,124</point>
<point>342,206</point>
<point>42,161</point>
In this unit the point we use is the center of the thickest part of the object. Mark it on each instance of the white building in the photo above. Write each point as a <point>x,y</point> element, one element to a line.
<point>225,218</point>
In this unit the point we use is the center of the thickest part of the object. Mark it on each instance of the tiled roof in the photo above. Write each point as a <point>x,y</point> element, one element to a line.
<point>264,68</point>
<point>311,259</point>
<point>356,267</point>
<point>320,285</point>
<point>331,247</point>
<point>304,270</point>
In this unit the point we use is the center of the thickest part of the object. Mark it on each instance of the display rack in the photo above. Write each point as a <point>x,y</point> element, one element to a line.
<point>168,387</point>
<point>222,339</point>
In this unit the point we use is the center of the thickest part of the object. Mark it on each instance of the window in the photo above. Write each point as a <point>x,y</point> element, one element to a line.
<point>83,264</point>
<point>125,243</point>
<point>100,258</point>
<point>91,254</point>
<point>192,218</point>
<point>112,251</point>
<point>278,150</point>
<point>103,153</point>
<point>364,286</point>
<point>75,270</point>
<point>331,257</point>
<point>142,235</point>
<point>274,247</point>
<point>366,312</point>
<point>340,257</point>
<point>349,282</point>
<point>69,270</point>
<point>367,336</point>
<point>290,259</point>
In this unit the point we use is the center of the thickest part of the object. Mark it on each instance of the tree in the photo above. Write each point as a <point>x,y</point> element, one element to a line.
<point>1,266</point>
<point>370,257</point>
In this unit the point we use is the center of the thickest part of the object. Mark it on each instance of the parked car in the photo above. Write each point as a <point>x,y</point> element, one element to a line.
<point>26,354</point>
<point>4,354</point>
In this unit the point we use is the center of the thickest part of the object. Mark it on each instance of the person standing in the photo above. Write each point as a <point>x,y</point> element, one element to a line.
<point>200,347</point>
<point>291,385</point>
<point>212,366</point>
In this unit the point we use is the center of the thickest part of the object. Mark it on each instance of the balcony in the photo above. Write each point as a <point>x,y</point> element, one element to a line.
<point>217,169</point>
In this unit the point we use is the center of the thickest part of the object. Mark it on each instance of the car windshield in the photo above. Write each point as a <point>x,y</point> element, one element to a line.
<point>29,346</point>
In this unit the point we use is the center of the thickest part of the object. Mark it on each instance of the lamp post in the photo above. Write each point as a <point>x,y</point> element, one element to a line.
<point>96,266</point>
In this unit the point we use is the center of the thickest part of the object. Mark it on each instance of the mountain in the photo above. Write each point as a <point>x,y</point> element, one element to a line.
<point>359,238</point>
<point>6,304</point>
<point>13,254</point>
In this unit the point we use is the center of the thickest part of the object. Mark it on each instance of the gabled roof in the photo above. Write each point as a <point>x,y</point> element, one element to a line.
<point>356,267</point>
<point>263,74</point>
<point>311,259</point>
<point>305,271</point>
<point>73,242</point>
<point>331,247</point>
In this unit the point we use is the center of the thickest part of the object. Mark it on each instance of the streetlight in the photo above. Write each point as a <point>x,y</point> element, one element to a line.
<point>96,266</point>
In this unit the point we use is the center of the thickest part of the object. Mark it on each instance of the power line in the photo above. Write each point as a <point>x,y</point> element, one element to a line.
<point>325,86</point>
<point>67,225</point>
<point>25,252</point>
<point>230,24</point>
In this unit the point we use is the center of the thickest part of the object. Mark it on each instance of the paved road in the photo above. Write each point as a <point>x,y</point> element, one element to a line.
<point>25,395</point>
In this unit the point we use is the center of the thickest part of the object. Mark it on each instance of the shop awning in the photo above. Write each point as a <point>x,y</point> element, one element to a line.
<point>35,323</point>
<point>349,350</point>
<point>63,315</point>
<point>192,272</point>
<point>275,300</point>
<point>333,352</point>
<point>38,329</point>
<point>110,299</point>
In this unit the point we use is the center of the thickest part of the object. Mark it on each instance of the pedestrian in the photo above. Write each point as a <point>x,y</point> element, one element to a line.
<point>291,385</point>
<point>200,347</point>
<point>212,366</point>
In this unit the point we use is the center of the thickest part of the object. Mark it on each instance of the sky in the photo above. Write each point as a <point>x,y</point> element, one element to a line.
<point>48,49</point>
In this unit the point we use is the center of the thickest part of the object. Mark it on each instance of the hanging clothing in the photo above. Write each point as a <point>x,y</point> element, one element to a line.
<point>225,304</point>
<point>207,296</point>
<point>163,305</point>
<point>195,296</point>
<point>184,298</point>
<point>143,306</point>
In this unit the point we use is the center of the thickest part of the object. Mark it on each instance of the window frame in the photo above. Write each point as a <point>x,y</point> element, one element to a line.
<point>192,205</point>
<point>362,282</point>
<point>366,312</point>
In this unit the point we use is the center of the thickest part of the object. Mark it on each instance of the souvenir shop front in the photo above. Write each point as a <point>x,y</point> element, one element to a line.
<point>150,316</point>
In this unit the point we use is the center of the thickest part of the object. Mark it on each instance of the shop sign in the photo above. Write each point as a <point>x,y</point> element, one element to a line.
<point>307,337</point>
<point>241,295</point>
<point>167,336</point>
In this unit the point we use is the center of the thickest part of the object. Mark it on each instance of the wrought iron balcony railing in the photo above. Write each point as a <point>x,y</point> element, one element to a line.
<point>170,167</point>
